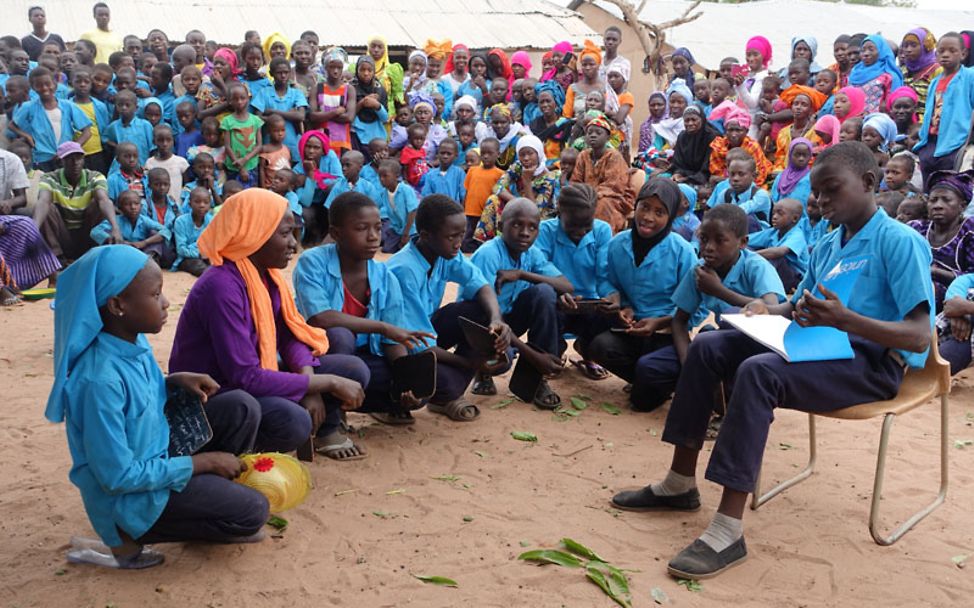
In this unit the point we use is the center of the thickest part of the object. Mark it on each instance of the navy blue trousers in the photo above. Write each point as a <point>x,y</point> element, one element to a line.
<point>627,356</point>
<point>958,354</point>
<point>763,381</point>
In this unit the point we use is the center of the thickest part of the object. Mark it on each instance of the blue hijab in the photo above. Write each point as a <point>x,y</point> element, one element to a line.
<point>100,274</point>
<point>883,125</point>
<point>886,62</point>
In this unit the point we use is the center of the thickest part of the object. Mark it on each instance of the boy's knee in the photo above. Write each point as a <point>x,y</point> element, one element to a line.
<point>542,296</point>
<point>341,341</point>
<point>253,510</point>
<point>600,346</point>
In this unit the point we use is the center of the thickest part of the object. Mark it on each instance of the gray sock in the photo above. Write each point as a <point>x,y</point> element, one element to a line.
<point>674,484</point>
<point>722,532</point>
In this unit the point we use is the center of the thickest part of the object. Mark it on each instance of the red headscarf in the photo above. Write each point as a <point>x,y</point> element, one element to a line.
<point>230,57</point>
<point>448,66</point>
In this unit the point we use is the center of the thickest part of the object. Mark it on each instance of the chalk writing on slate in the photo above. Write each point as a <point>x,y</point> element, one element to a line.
<point>189,430</point>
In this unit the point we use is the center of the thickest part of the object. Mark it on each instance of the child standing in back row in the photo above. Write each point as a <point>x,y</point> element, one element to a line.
<point>398,204</point>
<point>241,139</point>
<point>447,178</point>
<point>163,157</point>
<point>48,122</point>
<point>479,184</point>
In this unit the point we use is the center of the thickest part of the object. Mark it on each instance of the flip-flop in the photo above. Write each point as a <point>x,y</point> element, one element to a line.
<point>400,418</point>
<point>484,385</point>
<point>343,450</point>
<point>591,369</point>
<point>459,410</point>
<point>543,397</point>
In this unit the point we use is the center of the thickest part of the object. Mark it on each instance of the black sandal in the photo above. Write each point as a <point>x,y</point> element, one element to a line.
<point>545,398</point>
<point>483,384</point>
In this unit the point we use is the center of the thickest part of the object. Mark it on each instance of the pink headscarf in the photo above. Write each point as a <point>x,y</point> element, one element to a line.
<point>319,175</point>
<point>831,125</point>
<point>522,59</point>
<point>230,57</point>
<point>857,102</point>
<point>731,112</point>
<point>761,45</point>
<point>903,91</point>
<point>562,47</point>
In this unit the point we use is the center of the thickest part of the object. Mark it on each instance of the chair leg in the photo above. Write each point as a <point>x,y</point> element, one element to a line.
<point>758,499</point>
<point>880,472</point>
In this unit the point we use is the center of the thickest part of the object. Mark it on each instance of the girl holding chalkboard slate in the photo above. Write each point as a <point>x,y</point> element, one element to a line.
<point>110,392</point>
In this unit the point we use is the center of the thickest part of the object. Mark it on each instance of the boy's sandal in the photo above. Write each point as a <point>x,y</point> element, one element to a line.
<point>545,398</point>
<point>459,410</point>
<point>398,418</point>
<point>591,369</point>
<point>484,385</point>
<point>338,446</point>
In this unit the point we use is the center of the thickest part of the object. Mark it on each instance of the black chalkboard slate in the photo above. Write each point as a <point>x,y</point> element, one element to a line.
<point>189,430</point>
<point>416,373</point>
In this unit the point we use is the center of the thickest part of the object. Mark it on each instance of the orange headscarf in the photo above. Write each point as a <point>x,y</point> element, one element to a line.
<point>817,98</point>
<point>590,49</point>
<point>245,222</point>
<point>438,49</point>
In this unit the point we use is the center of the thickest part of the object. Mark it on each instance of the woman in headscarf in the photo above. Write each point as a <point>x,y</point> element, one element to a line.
<point>476,86</point>
<point>521,65</point>
<point>902,107</point>
<point>736,123</point>
<point>680,97</point>
<point>757,53</point>
<point>803,102</point>
<point>499,66</point>
<point>827,130</point>
<point>437,53</point>
<point>318,170</point>
<point>553,129</point>
<point>561,71</point>
<point>111,394</point>
<point>372,111</point>
<point>276,45</point>
<point>416,80</point>
<point>241,326</point>
<point>589,61</point>
<point>691,154</point>
<point>212,96</point>
<point>682,61</point>
<point>803,47</point>
<point>389,75</point>
<point>602,167</point>
<point>876,73</point>
<point>332,107</point>
<point>795,182</point>
<point>456,71</point>
<point>529,178</point>
<point>919,52</point>
<point>619,102</point>
<point>658,108</point>
<point>507,131</point>
<point>850,102</point>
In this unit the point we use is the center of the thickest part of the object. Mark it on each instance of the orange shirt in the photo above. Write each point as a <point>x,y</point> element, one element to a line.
<point>479,184</point>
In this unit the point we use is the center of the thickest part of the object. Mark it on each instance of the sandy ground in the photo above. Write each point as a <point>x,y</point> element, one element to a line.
<point>369,525</point>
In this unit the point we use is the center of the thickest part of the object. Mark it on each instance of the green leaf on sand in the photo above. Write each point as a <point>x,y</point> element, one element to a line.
<point>277,522</point>
<point>450,478</point>
<point>785,446</point>
<point>524,436</point>
<point>437,580</point>
<point>566,412</point>
<point>690,585</point>
<point>481,454</point>
<point>608,407</point>
<point>960,444</point>
<point>467,518</point>
<point>551,556</point>
<point>578,403</point>
<point>611,580</point>
<point>959,560</point>
<point>502,403</point>
<point>396,491</point>
<point>581,550</point>
<point>659,596</point>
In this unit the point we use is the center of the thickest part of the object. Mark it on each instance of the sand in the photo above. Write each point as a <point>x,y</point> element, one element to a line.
<point>370,525</point>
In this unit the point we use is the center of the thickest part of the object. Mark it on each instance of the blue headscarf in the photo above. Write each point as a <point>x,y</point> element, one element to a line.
<point>691,195</point>
<point>885,126</point>
<point>100,274</point>
<point>886,62</point>
<point>149,101</point>
<point>686,54</point>
<point>679,86</point>
<point>552,87</point>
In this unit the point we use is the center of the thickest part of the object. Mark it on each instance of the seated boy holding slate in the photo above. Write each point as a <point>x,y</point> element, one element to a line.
<point>888,318</point>
<point>783,244</point>
<point>343,290</point>
<point>528,286</point>
<point>729,276</point>
<point>423,268</point>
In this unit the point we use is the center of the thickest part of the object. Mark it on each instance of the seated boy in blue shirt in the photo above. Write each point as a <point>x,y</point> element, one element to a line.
<point>783,244</point>
<point>352,163</point>
<point>138,229</point>
<point>888,318</point>
<point>813,225</point>
<point>186,231</point>
<point>645,265</point>
<point>160,207</point>
<point>357,301</point>
<point>204,167</point>
<point>578,245</point>
<point>127,173</point>
<point>423,268</point>
<point>447,178</point>
<point>378,152</point>
<point>728,277</point>
<point>528,287</point>
<point>397,207</point>
<point>739,188</point>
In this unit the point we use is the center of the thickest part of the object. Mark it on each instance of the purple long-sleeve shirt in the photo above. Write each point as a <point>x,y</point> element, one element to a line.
<point>216,336</point>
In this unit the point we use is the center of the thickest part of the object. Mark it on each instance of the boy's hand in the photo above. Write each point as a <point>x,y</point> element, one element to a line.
<point>644,327</point>
<point>316,407</point>
<point>755,307</point>
<point>813,312</point>
<point>349,392</point>
<point>954,308</point>
<point>960,328</point>
<point>408,338</point>
<point>201,385</point>
<point>707,280</point>
<point>224,464</point>
<point>503,335</point>
<point>506,276</point>
<point>567,302</point>
<point>627,317</point>
<point>409,401</point>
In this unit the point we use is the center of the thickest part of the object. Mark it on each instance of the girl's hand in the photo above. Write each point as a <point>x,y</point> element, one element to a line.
<point>408,338</point>
<point>309,167</point>
<point>244,175</point>
<point>200,385</point>
<point>224,464</point>
<point>954,308</point>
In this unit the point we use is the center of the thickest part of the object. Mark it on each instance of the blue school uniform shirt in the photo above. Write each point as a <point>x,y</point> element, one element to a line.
<point>371,175</point>
<point>461,159</point>
<point>801,191</point>
<point>361,186</point>
<point>955,113</point>
<point>753,200</point>
<point>814,233</point>
<point>423,285</point>
<point>119,438</point>
<point>469,88</point>
<point>367,131</point>
<point>172,210</point>
<point>828,108</point>
<point>751,275</point>
<point>268,99</point>
<point>794,240</point>
<point>168,101</point>
<point>294,204</point>
<point>398,206</point>
<point>584,264</point>
<point>256,86</point>
<point>449,182</point>
<point>138,132</point>
<point>648,288</point>
<point>118,183</point>
<point>188,189</point>
<point>31,118</point>
<point>186,233</point>
<point>177,128</point>
<point>318,286</point>
<point>494,255</point>
<point>143,227</point>
<point>103,116</point>
<point>686,226</point>
<point>960,287</point>
<point>894,281</point>
<point>186,140</point>
<point>309,194</point>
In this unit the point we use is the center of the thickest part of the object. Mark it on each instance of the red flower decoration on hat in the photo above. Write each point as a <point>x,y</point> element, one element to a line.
<point>264,464</point>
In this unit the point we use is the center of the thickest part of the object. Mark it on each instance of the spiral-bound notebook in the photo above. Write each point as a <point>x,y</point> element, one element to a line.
<point>189,429</point>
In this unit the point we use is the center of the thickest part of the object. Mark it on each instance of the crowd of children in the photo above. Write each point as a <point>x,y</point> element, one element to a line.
<point>743,191</point>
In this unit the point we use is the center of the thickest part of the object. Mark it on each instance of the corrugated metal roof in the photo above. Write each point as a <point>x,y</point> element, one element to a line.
<point>535,24</point>
<point>723,29</point>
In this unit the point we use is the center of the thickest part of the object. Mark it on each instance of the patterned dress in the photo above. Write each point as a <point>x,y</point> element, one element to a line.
<point>546,187</point>
<point>956,255</point>
<point>27,257</point>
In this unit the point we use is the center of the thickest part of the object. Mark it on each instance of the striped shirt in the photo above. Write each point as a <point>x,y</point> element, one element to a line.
<point>73,200</point>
